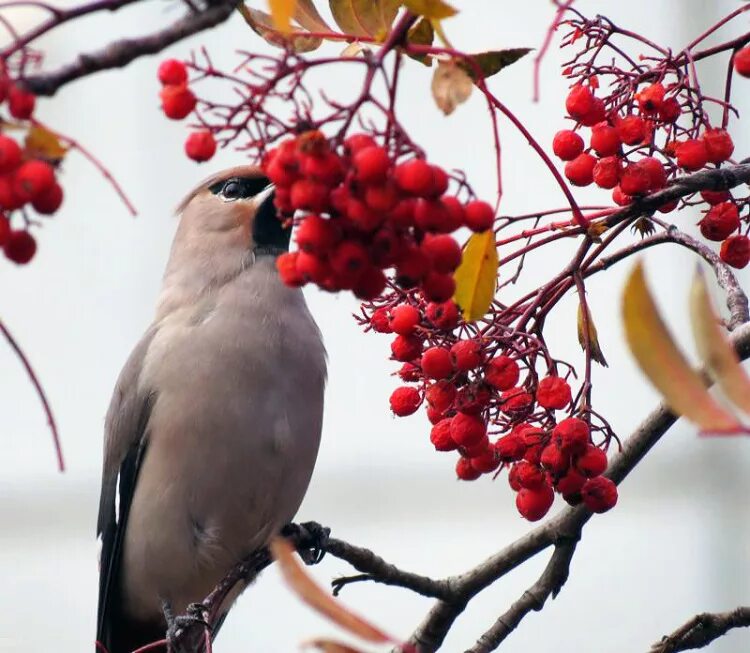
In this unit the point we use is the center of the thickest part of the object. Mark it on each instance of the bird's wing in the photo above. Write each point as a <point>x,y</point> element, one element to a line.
<point>124,446</point>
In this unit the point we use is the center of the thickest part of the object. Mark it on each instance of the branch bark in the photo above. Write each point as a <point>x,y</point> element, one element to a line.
<point>703,629</point>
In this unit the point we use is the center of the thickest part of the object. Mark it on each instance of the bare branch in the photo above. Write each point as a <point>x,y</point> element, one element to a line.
<point>703,629</point>
<point>120,53</point>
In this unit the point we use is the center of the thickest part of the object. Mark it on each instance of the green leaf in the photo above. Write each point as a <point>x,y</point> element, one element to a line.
<point>431,9</point>
<point>365,17</point>
<point>714,348</point>
<point>421,34</point>
<point>476,277</point>
<point>493,61</point>
<point>593,335</point>
<point>663,363</point>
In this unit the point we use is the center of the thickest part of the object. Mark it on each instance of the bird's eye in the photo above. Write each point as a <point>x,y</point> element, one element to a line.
<point>232,190</point>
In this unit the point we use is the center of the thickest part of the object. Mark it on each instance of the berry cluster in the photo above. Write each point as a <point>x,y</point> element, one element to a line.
<point>363,212</point>
<point>479,407</point>
<point>178,102</point>
<point>27,180</point>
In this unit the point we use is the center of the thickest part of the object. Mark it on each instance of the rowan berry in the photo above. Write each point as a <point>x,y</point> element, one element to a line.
<point>571,435</point>
<point>406,348</point>
<point>580,171</point>
<point>20,246</point>
<point>485,462</point>
<point>510,448</point>
<point>48,201</point>
<point>433,415</point>
<point>735,251</point>
<point>21,103</point>
<point>466,471</point>
<point>467,430</point>
<point>579,102</point>
<point>456,213</point>
<point>691,154</point>
<point>502,372</point>
<point>631,130</point>
<point>605,140</point>
<point>742,61</point>
<point>607,172</point>
<point>634,180</point>
<point>316,235</point>
<point>361,216</point>
<point>440,436</point>
<point>440,395</point>
<point>200,146</point>
<point>312,268</point>
<point>670,110</point>
<point>553,392</point>
<point>515,399</point>
<point>620,198</point>
<point>403,319</point>
<point>651,98</point>
<point>411,268</point>
<point>370,283</point>
<point>33,178</point>
<point>443,252</point>
<point>479,216</point>
<point>472,399</point>
<point>177,101</point>
<point>405,401</point>
<point>371,164</point>
<point>432,216</point>
<point>592,461</point>
<point>172,72</point>
<point>715,196</point>
<point>10,154</point>
<point>286,264</point>
<point>719,145</point>
<point>438,287</point>
<point>415,177</point>
<point>596,115</point>
<point>325,168</point>
<point>348,259</point>
<point>443,315</point>
<point>439,181</point>
<point>534,504</point>
<point>4,229</point>
<point>381,198</point>
<point>599,494</point>
<point>466,355</point>
<point>657,176</point>
<point>357,142</point>
<point>567,144</point>
<point>554,460</point>
<point>436,363</point>
<point>720,221</point>
<point>571,483</point>
<point>380,321</point>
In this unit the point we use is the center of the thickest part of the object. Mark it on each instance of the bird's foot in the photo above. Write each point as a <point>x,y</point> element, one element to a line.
<point>177,626</point>
<point>314,539</point>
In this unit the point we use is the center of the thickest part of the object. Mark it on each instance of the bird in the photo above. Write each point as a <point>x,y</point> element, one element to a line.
<point>215,421</point>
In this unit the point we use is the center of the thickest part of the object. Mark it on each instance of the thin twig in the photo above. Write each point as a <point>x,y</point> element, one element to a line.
<point>703,629</point>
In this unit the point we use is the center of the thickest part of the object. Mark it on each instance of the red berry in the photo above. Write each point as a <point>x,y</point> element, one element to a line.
<point>349,259</point>
<point>657,176</point>
<point>415,177</point>
<point>465,471</point>
<point>670,110</point>
<point>433,415</point>
<point>502,372</point>
<point>316,235</point>
<point>634,180</point>
<point>410,373</point>
<point>620,198</point>
<point>735,251</point>
<point>580,102</point>
<point>596,115</point>
<point>402,214</point>
<point>631,130</point>
<point>567,144</point>
<point>10,154</point>
<point>439,181</point>
<point>580,171</point>
<point>362,216</point>
<point>200,146</point>
<point>466,355</point>
<point>443,315</point>
<point>357,142</point>
<point>406,348</point>
<point>404,318</point>
<point>172,72</point>
<point>380,321</point>
<point>715,196</point>
<point>467,430</point>
<point>485,462</point>
<point>607,172</point>
<point>720,221</point>
<point>592,462</point>
<point>479,216</point>
<point>370,284</point>
<point>719,145</point>
<point>433,216</point>
<point>20,246</point>
<point>456,214</point>
<point>530,475</point>
<point>515,399</point>
<point>412,267</point>
<point>571,435</point>
<point>553,393</point>
<point>385,247</point>
<point>405,401</point>
<point>381,198</point>
<point>440,395</point>
<point>599,494</point>
<point>48,201</point>
<point>571,483</point>
<point>308,195</point>
<point>438,287</point>
<point>371,164</point>
<point>21,103</point>
<point>443,252</point>
<point>33,178</point>
<point>651,98</point>
<point>177,101</point>
<point>691,154</point>
<point>510,448</point>
<point>4,230</point>
<point>472,399</point>
<point>742,61</point>
<point>534,504</point>
<point>604,140</point>
<point>440,436</point>
<point>286,264</point>
<point>312,268</point>
<point>436,363</point>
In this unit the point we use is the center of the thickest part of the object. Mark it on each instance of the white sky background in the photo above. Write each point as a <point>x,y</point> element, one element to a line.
<point>675,545</point>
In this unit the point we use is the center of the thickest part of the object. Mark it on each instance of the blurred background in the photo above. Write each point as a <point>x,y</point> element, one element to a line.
<point>678,543</point>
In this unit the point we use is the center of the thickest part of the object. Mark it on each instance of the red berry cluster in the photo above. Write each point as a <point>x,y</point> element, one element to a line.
<point>178,102</point>
<point>479,408</point>
<point>622,155</point>
<point>363,212</point>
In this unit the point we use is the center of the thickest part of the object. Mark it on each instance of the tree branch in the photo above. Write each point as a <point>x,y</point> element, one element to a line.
<point>120,53</point>
<point>703,629</point>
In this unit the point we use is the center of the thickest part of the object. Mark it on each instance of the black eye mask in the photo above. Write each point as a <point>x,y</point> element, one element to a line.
<point>239,187</point>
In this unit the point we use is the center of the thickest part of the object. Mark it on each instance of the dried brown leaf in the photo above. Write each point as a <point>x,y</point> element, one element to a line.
<point>262,24</point>
<point>486,64</point>
<point>593,335</point>
<point>451,86</point>
<point>372,18</point>
<point>307,15</point>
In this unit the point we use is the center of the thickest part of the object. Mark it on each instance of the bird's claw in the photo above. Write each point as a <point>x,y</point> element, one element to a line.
<point>176,625</point>
<point>315,537</point>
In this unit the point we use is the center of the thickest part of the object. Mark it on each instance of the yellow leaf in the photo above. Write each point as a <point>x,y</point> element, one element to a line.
<point>41,143</point>
<point>319,599</point>
<point>451,86</point>
<point>262,24</point>
<point>476,277</point>
<point>365,17</point>
<point>432,9</point>
<point>663,363</point>
<point>593,335</point>
<point>307,15</point>
<point>281,13</point>
<point>714,347</point>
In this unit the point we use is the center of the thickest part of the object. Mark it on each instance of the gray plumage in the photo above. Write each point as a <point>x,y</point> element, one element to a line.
<point>214,426</point>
